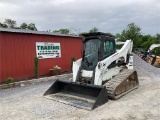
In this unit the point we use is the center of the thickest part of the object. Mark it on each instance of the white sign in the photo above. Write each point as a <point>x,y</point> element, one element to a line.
<point>48,50</point>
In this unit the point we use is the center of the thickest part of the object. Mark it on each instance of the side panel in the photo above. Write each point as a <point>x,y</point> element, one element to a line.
<point>19,51</point>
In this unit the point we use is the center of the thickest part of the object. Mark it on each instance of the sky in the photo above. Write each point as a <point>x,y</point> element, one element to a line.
<point>111,16</point>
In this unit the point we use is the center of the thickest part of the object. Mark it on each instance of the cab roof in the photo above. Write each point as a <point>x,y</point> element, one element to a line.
<point>97,34</point>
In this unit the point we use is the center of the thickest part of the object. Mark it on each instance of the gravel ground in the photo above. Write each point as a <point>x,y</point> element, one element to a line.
<point>139,63</point>
<point>28,103</point>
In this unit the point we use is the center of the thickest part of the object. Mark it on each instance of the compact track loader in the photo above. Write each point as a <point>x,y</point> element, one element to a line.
<point>101,74</point>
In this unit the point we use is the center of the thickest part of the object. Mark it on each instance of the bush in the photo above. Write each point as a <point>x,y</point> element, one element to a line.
<point>36,75</point>
<point>9,80</point>
<point>72,60</point>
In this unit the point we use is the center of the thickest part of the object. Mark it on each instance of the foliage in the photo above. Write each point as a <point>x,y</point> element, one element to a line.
<point>157,38</point>
<point>32,26</point>
<point>23,26</point>
<point>93,30</point>
<point>147,43</point>
<point>81,34</point>
<point>118,47</point>
<point>36,61</point>
<point>2,25</point>
<point>9,23</point>
<point>72,60</point>
<point>132,32</point>
<point>9,80</point>
<point>63,31</point>
<point>156,51</point>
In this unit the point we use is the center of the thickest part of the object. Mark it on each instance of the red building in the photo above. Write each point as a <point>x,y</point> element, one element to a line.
<point>18,49</point>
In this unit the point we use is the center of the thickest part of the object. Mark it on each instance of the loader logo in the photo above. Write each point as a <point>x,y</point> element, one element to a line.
<point>48,50</point>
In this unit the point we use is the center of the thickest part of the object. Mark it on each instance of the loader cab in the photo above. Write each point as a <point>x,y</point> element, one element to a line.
<point>96,47</point>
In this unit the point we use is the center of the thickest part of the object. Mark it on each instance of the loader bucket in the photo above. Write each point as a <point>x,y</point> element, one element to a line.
<point>85,96</point>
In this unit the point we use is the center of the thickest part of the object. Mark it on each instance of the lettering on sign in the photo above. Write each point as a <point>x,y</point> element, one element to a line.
<point>48,50</point>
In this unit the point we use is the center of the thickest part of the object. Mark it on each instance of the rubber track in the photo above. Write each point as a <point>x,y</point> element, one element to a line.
<point>116,81</point>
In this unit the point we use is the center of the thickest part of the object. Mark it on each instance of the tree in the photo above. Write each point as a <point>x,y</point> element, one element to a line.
<point>93,30</point>
<point>23,26</point>
<point>32,26</point>
<point>146,44</point>
<point>81,34</point>
<point>157,38</point>
<point>63,31</point>
<point>3,25</point>
<point>132,32</point>
<point>10,23</point>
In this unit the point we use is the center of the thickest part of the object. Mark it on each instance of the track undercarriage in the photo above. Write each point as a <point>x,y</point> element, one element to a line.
<point>121,84</point>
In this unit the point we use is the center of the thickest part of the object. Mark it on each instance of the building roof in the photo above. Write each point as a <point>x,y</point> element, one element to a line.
<point>34,32</point>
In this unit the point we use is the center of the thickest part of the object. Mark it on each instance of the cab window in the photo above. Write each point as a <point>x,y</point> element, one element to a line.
<point>109,48</point>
